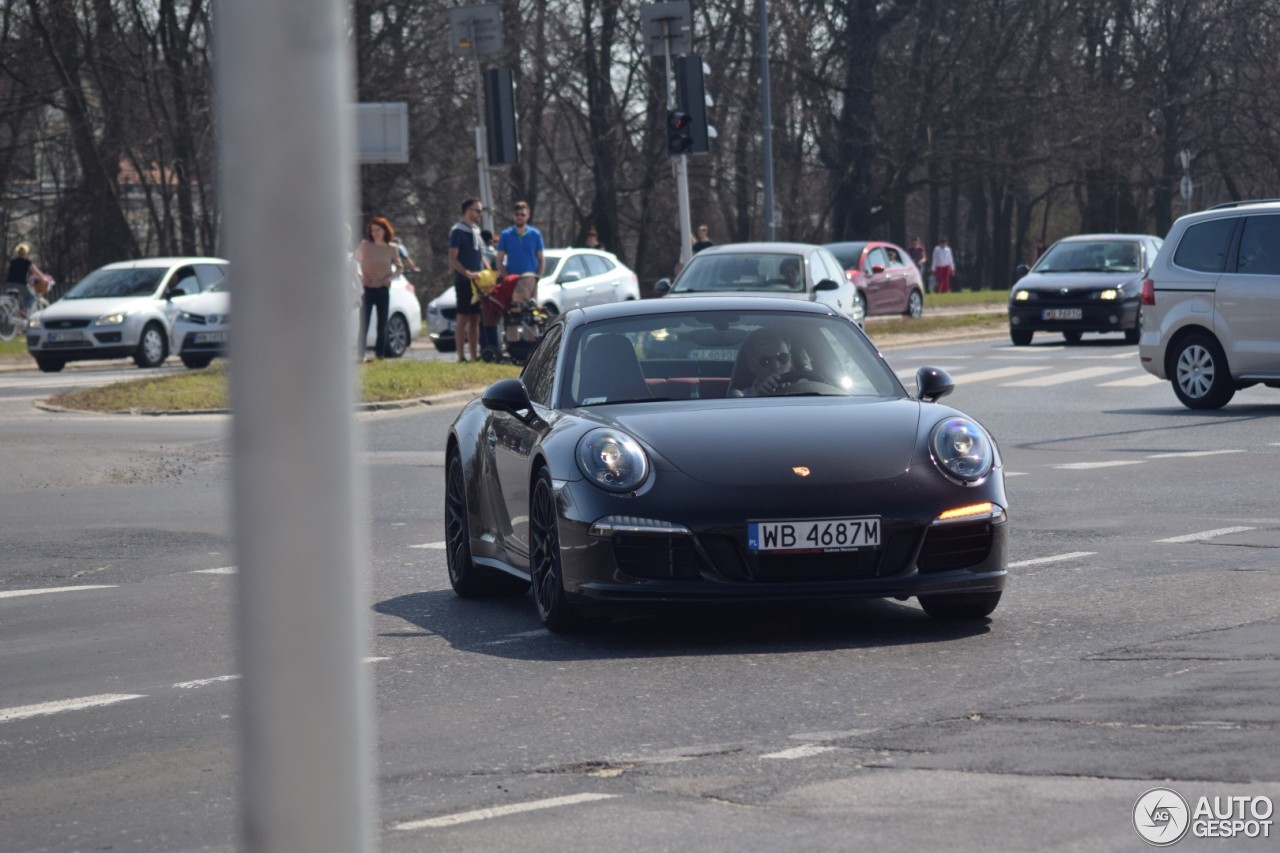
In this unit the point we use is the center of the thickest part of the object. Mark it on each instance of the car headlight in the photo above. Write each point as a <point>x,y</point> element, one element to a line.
<point>612,460</point>
<point>109,320</point>
<point>1109,294</point>
<point>1021,296</point>
<point>962,450</point>
<point>34,322</point>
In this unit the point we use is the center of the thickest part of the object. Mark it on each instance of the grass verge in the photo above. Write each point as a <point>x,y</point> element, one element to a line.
<point>877,327</point>
<point>206,390</point>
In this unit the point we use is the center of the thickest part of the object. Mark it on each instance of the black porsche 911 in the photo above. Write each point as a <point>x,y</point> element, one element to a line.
<point>720,449</point>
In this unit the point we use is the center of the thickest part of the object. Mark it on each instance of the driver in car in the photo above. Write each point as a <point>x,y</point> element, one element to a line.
<point>790,269</point>
<point>763,361</point>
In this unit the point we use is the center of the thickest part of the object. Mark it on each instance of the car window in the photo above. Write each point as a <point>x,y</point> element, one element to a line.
<point>835,272</point>
<point>551,261</point>
<point>573,264</point>
<point>754,271</point>
<point>876,257</point>
<point>598,264</point>
<point>1204,245</point>
<point>1259,246</point>
<point>540,372</point>
<point>210,273</point>
<point>106,283</point>
<point>895,259</point>
<point>848,254</point>
<point>184,282</point>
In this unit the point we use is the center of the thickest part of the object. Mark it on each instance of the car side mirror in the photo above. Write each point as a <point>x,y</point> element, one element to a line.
<point>569,277</point>
<point>1022,270</point>
<point>826,284</point>
<point>509,395</point>
<point>933,383</point>
<point>877,269</point>
<point>662,287</point>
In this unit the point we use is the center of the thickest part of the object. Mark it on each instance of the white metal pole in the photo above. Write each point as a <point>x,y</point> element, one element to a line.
<point>286,171</point>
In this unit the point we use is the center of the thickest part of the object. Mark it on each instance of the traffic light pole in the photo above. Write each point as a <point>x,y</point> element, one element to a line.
<point>482,140</point>
<point>681,165</point>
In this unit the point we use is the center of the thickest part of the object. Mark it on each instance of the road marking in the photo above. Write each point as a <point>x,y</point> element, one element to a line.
<point>1128,355</point>
<point>46,708</point>
<point>204,682</point>
<point>1063,378</point>
<point>1056,558</point>
<point>434,546</point>
<point>1132,382</point>
<point>1015,473</point>
<point>806,751</point>
<point>999,373</point>
<point>15,593</point>
<point>501,811</point>
<point>1208,534</point>
<point>1189,453</point>
<point>1085,466</point>
<point>225,570</point>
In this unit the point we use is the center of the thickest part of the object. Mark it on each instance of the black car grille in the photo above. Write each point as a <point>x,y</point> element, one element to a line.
<point>65,324</point>
<point>733,561</point>
<point>109,337</point>
<point>659,557</point>
<point>449,313</point>
<point>955,546</point>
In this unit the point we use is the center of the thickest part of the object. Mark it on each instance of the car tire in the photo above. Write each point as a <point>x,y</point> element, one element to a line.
<point>862,301</point>
<point>445,346</point>
<point>1199,374</point>
<point>964,605</point>
<point>1132,336</point>
<point>1072,337</point>
<point>1020,337</point>
<point>915,304</point>
<point>49,364</point>
<point>153,346</point>
<point>197,362</point>
<point>467,579</point>
<point>397,336</point>
<point>546,569</point>
<point>551,309</point>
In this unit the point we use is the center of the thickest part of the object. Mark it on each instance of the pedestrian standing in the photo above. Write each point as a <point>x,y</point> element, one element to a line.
<point>406,260</point>
<point>25,277</point>
<point>917,253</point>
<point>379,263</point>
<point>520,246</point>
<point>703,241</point>
<point>943,265</point>
<point>593,239</point>
<point>466,259</point>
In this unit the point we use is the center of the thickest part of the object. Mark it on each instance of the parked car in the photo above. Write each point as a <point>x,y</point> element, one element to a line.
<point>404,320</point>
<point>1086,283</point>
<point>888,281</point>
<point>574,278</point>
<point>1211,304</point>
<point>121,310</point>
<point>790,270</point>
<point>611,473</point>
<point>202,330</point>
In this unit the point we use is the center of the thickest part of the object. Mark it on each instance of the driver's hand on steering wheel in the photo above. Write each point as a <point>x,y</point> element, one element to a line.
<point>770,384</point>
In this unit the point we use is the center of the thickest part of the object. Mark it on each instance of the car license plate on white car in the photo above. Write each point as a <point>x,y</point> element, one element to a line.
<point>211,337</point>
<point>823,534</point>
<point>1064,313</point>
<point>62,337</point>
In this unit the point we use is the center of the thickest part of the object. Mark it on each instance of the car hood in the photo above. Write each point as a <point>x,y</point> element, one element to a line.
<point>80,309</point>
<point>748,442</point>
<point>1074,280</point>
<point>740,293</point>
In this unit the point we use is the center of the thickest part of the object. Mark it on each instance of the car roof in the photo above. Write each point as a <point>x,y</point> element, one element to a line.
<point>147,263</point>
<point>1079,238</point>
<point>774,247</point>
<point>686,304</point>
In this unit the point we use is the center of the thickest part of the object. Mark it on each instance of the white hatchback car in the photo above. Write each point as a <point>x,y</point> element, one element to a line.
<point>1211,304</point>
<point>202,331</point>
<point>574,278</point>
<point>121,310</point>
<point>404,320</point>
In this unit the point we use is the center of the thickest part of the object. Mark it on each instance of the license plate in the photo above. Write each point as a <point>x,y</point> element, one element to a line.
<point>211,337</point>
<point>1064,313</point>
<point>59,337</point>
<point>713,354</point>
<point>823,534</point>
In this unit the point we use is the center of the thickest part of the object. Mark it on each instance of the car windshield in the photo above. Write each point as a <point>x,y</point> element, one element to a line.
<point>848,254</point>
<point>1092,256</point>
<point>722,354</point>
<point>763,272</point>
<point>115,283</point>
<point>551,261</point>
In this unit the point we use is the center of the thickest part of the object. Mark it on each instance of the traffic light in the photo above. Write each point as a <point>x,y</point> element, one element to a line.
<point>691,100</point>
<point>679,132</point>
<point>500,116</point>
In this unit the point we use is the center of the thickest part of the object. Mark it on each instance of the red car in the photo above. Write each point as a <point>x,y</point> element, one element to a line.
<point>887,280</point>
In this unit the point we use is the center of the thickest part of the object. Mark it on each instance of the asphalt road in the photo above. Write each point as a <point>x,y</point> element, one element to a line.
<point>1136,647</point>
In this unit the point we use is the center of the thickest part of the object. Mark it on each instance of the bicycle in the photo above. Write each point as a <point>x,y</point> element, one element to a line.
<point>13,316</point>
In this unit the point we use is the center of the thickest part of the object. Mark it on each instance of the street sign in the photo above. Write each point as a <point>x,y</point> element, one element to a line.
<point>671,21</point>
<point>1187,187</point>
<point>382,132</point>
<point>476,30</point>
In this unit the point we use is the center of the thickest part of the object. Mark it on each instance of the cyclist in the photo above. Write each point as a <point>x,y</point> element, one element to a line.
<point>22,271</point>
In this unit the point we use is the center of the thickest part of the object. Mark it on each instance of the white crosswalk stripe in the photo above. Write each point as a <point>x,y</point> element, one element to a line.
<point>1063,378</point>
<point>1132,382</point>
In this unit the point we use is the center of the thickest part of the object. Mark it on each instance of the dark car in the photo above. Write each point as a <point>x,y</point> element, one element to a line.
<point>1086,283</point>
<point>651,452</point>
<point>887,280</point>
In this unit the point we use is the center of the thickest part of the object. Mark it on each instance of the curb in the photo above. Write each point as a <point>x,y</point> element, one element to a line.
<point>448,398</point>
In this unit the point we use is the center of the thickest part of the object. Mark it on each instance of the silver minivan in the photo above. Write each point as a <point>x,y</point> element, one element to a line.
<point>1211,304</point>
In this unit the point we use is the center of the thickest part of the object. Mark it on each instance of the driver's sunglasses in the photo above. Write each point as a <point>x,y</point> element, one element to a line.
<point>782,358</point>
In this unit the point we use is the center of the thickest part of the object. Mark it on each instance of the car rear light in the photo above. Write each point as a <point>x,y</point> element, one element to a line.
<point>409,287</point>
<point>1148,292</point>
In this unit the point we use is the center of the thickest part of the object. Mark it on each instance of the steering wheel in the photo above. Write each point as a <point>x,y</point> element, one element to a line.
<point>803,373</point>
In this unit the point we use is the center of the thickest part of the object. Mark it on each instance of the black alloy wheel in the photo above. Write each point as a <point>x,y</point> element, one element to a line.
<point>467,579</point>
<point>1199,374</point>
<point>555,610</point>
<point>964,605</point>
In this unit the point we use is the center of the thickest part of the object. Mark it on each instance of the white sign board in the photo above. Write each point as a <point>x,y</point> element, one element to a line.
<point>382,133</point>
<point>663,22</point>
<point>476,30</point>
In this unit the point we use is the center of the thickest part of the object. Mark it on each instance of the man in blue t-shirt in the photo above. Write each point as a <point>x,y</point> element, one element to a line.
<point>466,259</point>
<point>520,246</point>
